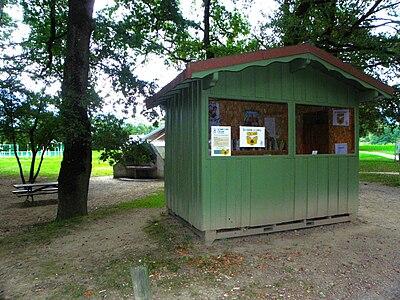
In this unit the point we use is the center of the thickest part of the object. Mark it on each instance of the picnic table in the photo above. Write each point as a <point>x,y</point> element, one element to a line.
<point>29,190</point>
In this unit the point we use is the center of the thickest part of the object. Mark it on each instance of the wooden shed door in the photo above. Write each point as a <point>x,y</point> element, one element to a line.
<point>316,132</point>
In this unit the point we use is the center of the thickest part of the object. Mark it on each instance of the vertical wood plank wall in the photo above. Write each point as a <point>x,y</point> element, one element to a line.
<point>261,190</point>
<point>182,156</point>
<point>227,192</point>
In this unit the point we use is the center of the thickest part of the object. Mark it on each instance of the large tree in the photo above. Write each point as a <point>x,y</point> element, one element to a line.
<point>76,165</point>
<point>60,47</point>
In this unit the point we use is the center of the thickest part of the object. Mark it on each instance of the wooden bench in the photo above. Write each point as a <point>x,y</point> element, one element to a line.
<point>29,190</point>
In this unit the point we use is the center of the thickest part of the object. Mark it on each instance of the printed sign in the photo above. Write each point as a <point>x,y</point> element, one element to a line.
<point>252,136</point>
<point>220,141</point>
<point>341,148</point>
<point>341,117</point>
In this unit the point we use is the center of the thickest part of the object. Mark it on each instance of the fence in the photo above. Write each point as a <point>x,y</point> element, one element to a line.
<point>7,150</point>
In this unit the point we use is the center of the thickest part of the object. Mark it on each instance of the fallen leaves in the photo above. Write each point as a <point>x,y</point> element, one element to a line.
<point>216,263</point>
<point>88,293</point>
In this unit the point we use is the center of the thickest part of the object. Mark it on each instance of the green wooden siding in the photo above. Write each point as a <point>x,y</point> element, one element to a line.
<point>230,192</point>
<point>278,189</point>
<point>182,156</point>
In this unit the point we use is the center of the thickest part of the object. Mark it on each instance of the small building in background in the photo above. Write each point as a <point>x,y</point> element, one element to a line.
<point>264,141</point>
<point>156,138</point>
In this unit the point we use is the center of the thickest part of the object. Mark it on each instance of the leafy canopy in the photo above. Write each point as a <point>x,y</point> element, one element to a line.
<point>363,33</point>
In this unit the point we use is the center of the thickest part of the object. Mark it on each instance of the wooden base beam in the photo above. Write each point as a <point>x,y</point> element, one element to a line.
<point>210,236</point>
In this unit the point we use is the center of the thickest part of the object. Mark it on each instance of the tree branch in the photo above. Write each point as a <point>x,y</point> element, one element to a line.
<point>44,149</point>
<point>52,37</point>
<point>360,20</point>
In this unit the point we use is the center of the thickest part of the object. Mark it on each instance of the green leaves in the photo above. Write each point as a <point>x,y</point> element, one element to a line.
<point>363,33</point>
<point>111,136</point>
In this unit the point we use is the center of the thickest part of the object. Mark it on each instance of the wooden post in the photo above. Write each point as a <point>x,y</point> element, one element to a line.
<point>141,284</point>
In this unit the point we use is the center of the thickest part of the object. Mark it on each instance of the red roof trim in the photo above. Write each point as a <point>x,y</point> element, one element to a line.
<point>226,61</point>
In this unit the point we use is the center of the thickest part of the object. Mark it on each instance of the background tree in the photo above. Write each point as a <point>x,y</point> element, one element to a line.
<point>139,129</point>
<point>26,118</point>
<point>217,32</point>
<point>363,33</point>
<point>126,33</point>
<point>109,132</point>
<point>55,43</point>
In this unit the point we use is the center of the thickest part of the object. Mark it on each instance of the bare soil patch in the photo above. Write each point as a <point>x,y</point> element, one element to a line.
<point>358,260</point>
<point>103,191</point>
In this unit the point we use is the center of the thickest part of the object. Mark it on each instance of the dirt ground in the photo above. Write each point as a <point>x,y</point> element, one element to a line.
<point>358,260</point>
<point>103,191</point>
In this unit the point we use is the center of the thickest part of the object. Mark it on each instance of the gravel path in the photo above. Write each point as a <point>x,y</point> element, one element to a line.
<point>355,260</point>
<point>103,191</point>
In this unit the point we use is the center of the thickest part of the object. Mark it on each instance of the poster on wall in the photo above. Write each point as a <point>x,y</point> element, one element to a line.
<point>220,141</point>
<point>213,114</point>
<point>252,136</point>
<point>251,118</point>
<point>341,117</point>
<point>270,126</point>
<point>341,148</point>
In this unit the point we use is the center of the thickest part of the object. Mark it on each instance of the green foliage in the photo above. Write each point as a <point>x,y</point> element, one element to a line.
<point>139,129</point>
<point>109,132</point>
<point>134,153</point>
<point>124,33</point>
<point>111,136</point>
<point>388,135</point>
<point>229,34</point>
<point>27,118</point>
<point>363,33</point>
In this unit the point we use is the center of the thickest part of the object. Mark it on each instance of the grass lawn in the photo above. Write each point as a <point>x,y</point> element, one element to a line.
<point>50,167</point>
<point>375,163</point>
<point>368,163</point>
<point>388,148</point>
<point>390,180</point>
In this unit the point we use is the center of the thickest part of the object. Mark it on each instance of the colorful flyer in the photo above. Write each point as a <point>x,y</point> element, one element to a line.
<point>213,114</point>
<point>252,136</point>
<point>220,141</point>
<point>341,117</point>
<point>251,118</point>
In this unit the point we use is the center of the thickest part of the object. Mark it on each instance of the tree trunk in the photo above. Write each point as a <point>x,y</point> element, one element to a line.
<point>206,21</point>
<point>21,171</point>
<point>77,159</point>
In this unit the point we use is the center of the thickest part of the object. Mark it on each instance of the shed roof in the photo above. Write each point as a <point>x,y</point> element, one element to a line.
<point>200,69</point>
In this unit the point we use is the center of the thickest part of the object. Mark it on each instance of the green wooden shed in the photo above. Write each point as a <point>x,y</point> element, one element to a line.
<point>264,141</point>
